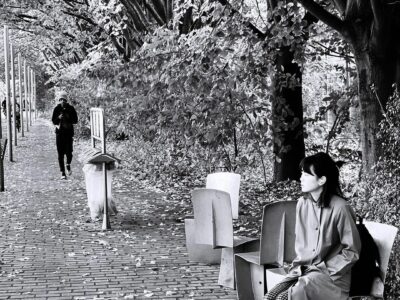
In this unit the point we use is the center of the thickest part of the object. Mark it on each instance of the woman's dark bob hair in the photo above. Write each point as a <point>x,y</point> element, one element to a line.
<point>321,164</point>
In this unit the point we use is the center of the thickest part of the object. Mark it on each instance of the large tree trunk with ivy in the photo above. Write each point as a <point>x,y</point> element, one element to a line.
<point>287,119</point>
<point>371,28</point>
<point>377,54</point>
<point>375,86</point>
<point>287,103</point>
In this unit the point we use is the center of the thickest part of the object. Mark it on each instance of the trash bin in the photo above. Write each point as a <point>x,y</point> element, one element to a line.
<point>95,188</point>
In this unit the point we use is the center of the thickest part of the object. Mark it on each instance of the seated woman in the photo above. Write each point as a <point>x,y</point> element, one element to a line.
<point>327,242</point>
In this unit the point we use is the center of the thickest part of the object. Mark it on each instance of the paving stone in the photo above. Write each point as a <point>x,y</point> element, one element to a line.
<point>50,251</point>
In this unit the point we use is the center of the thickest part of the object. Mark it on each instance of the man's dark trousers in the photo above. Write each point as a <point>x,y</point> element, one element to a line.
<point>64,147</point>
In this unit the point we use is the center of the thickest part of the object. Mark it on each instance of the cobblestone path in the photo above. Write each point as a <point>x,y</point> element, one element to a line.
<point>49,250</point>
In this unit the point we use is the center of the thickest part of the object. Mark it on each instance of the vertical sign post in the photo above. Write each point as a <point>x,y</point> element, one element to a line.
<point>97,126</point>
<point>106,219</point>
<point>26,95</point>
<point>13,98</point>
<point>34,96</point>
<point>8,106</point>
<point>28,76</point>
<point>21,111</point>
<point>30,95</point>
<point>5,71</point>
<point>28,104</point>
<point>3,145</point>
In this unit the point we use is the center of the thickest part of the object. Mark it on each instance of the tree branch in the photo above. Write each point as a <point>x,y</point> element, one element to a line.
<point>160,19</point>
<point>377,11</point>
<point>79,16</point>
<point>69,3</point>
<point>319,12</point>
<point>253,28</point>
<point>137,16</point>
<point>169,10</point>
<point>159,8</point>
<point>330,50</point>
<point>340,6</point>
<point>50,63</point>
<point>25,16</point>
<point>259,13</point>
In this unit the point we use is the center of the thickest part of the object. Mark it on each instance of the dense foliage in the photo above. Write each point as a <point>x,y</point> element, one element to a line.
<point>202,95</point>
<point>188,91</point>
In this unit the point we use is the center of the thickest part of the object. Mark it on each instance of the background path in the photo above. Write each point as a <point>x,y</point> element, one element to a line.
<point>49,250</point>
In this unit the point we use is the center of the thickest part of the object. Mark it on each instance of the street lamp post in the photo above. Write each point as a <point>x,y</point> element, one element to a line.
<point>13,98</point>
<point>26,82</point>
<point>8,106</point>
<point>21,112</point>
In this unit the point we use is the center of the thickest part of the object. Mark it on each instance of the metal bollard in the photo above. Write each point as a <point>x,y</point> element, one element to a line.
<point>3,145</point>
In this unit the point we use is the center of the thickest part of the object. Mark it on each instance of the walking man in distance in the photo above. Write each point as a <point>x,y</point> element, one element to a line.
<point>64,116</point>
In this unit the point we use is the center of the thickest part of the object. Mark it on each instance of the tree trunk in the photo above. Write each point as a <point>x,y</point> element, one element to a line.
<point>287,122</point>
<point>287,112</point>
<point>375,81</point>
<point>377,67</point>
<point>186,21</point>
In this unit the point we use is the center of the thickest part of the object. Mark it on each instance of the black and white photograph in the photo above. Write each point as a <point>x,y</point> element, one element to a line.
<point>200,149</point>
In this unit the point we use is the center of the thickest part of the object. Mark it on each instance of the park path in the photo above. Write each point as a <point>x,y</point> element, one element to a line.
<point>49,250</point>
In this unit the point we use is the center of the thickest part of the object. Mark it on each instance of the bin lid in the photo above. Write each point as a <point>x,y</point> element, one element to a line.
<point>89,154</point>
<point>102,157</point>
